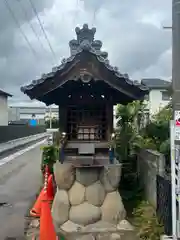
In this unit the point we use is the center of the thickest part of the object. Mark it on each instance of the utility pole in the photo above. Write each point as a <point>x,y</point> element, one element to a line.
<point>175,123</point>
<point>176,55</point>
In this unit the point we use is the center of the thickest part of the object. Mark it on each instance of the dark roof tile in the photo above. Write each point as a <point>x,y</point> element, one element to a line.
<point>156,83</point>
<point>84,42</point>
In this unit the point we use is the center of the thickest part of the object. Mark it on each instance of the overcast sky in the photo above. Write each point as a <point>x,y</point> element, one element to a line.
<point>131,31</point>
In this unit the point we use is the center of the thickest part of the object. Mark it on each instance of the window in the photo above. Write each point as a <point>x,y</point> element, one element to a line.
<point>165,96</point>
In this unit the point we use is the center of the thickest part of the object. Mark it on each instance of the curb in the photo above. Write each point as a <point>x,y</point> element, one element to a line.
<point>27,216</point>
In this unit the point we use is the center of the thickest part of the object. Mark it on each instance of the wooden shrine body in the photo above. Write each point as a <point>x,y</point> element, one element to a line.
<point>86,87</point>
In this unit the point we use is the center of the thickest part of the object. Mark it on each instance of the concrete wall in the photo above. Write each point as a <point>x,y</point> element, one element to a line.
<point>3,111</point>
<point>155,103</point>
<point>12,132</point>
<point>150,164</point>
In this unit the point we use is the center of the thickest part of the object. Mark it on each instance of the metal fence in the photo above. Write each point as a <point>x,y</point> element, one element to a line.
<point>156,183</point>
<point>164,203</point>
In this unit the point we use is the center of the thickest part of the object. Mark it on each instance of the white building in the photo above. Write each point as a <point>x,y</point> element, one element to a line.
<point>27,113</point>
<point>4,108</point>
<point>158,95</point>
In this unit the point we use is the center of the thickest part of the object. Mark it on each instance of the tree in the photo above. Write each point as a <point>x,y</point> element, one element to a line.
<point>55,122</point>
<point>156,134</point>
<point>127,133</point>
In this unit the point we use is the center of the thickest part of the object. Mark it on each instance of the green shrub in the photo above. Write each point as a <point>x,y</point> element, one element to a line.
<point>127,135</point>
<point>157,131</point>
<point>155,135</point>
<point>54,123</point>
<point>129,138</point>
<point>50,155</point>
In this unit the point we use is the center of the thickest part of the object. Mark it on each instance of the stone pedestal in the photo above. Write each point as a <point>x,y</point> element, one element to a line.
<point>87,197</point>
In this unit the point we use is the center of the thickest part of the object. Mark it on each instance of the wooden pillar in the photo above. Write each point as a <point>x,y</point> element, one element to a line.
<point>109,116</point>
<point>62,119</point>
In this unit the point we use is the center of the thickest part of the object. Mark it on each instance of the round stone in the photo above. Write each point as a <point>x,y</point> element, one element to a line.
<point>84,214</point>
<point>113,209</point>
<point>95,194</point>
<point>64,175</point>
<point>76,194</point>
<point>87,176</point>
<point>60,207</point>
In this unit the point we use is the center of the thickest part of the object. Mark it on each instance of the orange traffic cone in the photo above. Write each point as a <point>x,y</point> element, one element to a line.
<point>48,184</point>
<point>47,171</point>
<point>47,230</point>
<point>50,188</point>
<point>36,210</point>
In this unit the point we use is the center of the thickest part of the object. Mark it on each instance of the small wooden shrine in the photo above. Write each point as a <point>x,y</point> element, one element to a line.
<point>86,87</point>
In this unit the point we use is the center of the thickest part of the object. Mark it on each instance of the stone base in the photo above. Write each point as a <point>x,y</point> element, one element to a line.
<point>87,196</point>
<point>100,230</point>
<point>97,231</point>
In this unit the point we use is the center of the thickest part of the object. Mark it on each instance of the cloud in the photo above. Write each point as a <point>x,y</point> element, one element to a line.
<point>161,68</point>
<point>131,32</point>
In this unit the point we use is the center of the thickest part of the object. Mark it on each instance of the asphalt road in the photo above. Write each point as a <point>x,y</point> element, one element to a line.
<point>19,182</point>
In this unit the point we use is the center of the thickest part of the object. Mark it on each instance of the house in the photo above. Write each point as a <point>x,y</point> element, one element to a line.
<point>4,108</point>
<point>158,96</point>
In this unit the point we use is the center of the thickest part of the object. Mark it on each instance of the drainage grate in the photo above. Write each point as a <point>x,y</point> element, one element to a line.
<point>2,204</point>
<point>5,204</point>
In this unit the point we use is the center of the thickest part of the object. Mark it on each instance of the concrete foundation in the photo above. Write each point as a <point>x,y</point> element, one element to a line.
<point>87,201</point>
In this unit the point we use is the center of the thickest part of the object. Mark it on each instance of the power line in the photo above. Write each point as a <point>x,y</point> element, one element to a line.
<point>30,24</point>
<point>94,16</point>
<point>76,12</point>
<point>19,26</point>
<point>43,30</point>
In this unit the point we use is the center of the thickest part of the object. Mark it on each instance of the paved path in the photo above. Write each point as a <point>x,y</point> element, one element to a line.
<point>19,183</point>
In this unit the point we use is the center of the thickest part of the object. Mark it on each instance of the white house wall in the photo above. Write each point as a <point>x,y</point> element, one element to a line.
<point>29,116</point>
<point>155,102</point>
<point>3,111</point>
<point>153,105</point>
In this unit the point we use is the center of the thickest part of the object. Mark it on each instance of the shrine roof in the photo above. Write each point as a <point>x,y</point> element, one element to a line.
<point>156,83</point>
<point>85,43</point>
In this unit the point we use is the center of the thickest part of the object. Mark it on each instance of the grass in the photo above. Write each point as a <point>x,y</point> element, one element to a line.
<point>146,222</point>
<point>141,214</point>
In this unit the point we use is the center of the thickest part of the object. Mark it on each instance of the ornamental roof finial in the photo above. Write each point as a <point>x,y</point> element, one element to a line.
<point>85,33</point>
<point>85,40</point>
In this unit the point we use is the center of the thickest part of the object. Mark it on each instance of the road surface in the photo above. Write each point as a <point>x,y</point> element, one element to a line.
<point>19,182</point>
